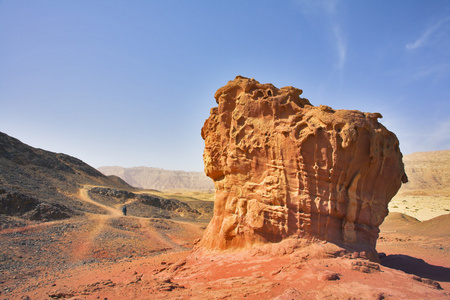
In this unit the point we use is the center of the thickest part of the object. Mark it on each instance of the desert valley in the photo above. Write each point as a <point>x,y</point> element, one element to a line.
<point>290,209</point>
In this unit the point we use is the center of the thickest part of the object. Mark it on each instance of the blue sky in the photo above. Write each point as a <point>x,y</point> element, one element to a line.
<point>130,83</point>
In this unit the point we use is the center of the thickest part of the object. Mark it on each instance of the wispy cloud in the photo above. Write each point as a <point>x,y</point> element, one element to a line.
<point>424,38</point>
<point>436,70</point>
<point>309,6</point>
<point>341,48</point>
<point>329,9</point>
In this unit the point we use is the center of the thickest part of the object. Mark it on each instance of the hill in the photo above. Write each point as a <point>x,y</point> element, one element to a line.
<point>427,171</point>
<point>40,185</point>
<point>401,223</point>
<point>160,179</point>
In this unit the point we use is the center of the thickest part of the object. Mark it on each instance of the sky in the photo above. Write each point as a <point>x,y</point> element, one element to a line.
<point>130,83</point>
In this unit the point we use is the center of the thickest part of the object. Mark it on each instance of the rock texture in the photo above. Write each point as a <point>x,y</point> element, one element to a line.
<point>282,167</point>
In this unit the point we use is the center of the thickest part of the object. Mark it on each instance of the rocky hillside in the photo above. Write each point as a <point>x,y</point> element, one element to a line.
<point>160,179</point>
<point>153,206</point>
<point>41,185</point>
<point>427,170</point>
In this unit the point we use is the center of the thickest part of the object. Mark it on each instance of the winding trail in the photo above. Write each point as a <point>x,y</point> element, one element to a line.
<point>86,243</point>
<point>83,195</point>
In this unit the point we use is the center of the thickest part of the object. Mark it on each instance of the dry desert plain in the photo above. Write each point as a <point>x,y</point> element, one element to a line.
<point>109,256</point>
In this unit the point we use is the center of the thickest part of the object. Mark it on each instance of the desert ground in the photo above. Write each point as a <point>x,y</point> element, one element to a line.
<point>35,255</point>
<point>111,256</point>
<point>422,205</point>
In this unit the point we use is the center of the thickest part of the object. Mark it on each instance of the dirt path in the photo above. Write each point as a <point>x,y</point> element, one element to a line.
<point>85,244</point>
<point>128,202</point>
<point>83,195</point>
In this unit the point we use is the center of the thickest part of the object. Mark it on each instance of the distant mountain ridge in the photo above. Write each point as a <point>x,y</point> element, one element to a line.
<point>160,179</point>
<point>427,170</point>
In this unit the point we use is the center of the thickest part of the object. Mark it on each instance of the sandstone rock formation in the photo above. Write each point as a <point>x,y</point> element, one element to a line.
<point>282,167</point>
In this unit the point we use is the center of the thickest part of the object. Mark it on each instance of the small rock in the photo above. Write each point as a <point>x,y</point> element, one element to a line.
<point>330,276</point>
<point>61,294</point>
<point>433,283</point>
<point>365,266</point>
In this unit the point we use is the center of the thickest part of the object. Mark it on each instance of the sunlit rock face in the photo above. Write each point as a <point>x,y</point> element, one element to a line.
<point>282,168</point>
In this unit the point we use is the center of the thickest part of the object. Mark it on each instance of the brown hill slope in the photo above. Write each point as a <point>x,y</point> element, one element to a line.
<point>401,223</point>
<point>160,179</point>
<point>41,185</point>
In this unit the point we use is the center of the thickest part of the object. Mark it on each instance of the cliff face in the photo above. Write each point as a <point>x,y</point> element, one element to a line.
<point>282,167</point>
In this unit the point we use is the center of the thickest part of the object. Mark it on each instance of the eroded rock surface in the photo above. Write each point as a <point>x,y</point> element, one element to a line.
<point>282,167</point>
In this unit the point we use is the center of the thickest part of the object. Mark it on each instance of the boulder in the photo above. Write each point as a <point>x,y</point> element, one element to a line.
<point>283,167</point>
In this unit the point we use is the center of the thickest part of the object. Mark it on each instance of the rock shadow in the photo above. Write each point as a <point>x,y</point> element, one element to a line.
<point>416,266</point>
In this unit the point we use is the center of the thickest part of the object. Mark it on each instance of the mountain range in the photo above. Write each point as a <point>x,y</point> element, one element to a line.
<point>428,171</point>
<point>160,179</point>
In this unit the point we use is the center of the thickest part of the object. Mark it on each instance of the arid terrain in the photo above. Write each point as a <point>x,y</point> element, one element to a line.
<point>76,244</point>
<point>427,194</point>
<point>116,257</point>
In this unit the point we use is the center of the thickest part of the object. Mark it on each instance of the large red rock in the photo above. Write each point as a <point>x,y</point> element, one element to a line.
<point>283,168</point>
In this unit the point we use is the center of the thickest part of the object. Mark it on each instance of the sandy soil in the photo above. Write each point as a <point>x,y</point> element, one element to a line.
<point>116,257</point>
<point>278,272</point>
<point>421,205</point>
<point>426,195</point>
